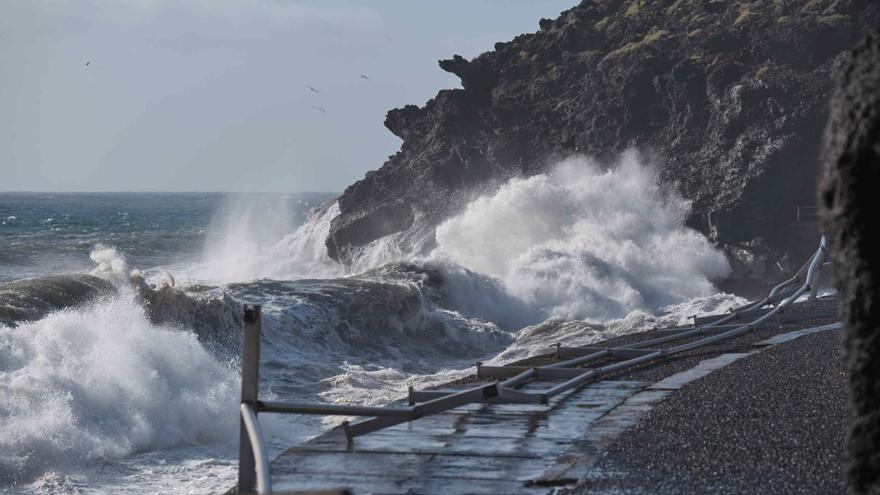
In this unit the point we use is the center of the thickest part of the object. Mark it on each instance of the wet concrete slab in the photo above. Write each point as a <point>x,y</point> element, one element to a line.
<point>484,448</point>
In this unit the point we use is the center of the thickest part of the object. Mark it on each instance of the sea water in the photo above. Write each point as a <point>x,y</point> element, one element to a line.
<point>98,394</point>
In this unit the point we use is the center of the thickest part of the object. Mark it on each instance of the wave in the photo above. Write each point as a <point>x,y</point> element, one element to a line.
<point>582,241</point>
<point>33,298</point>
<point>540,338</point>
<point>400,321</point>
<point>103,382</point>
<point>245,243</point>
<point>139,361</point>
<point>586,242</point>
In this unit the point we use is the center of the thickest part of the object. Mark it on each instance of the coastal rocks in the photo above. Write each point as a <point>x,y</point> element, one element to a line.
<point>753,263</point>
<point>729,98</point>
<point>850,202</point>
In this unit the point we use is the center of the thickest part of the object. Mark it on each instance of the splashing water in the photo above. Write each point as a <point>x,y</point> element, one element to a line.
<point>585,243</point>
<point>103,383</point>
<point>250,239</point>
<point>244,226</point>
<point>100,383</point>
<point>110,263</point>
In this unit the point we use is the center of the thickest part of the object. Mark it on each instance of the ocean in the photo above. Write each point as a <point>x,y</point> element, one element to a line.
<point>120,313</point>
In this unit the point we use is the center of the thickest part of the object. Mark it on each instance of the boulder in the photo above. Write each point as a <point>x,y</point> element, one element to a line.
<point>849,206</point>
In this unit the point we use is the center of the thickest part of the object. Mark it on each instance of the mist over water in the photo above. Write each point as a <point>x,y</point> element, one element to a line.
<point>253,237</point>
<point>241,230</point>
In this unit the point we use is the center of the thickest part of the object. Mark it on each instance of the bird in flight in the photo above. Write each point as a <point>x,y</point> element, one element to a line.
<point>364,77</point>
<point>313,89</point>
<point>87,64</point>
<point>320,109</point>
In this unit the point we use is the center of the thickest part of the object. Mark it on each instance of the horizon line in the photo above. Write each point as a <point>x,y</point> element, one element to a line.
<point>166,192</point>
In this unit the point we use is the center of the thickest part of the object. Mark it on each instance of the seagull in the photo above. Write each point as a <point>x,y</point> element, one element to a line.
<point>364,77</point>
<point>321,109</point>
<point>313,89</point>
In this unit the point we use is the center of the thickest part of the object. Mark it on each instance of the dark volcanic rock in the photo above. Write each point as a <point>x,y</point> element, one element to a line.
<point>850,203</point>
<point>729,97</point>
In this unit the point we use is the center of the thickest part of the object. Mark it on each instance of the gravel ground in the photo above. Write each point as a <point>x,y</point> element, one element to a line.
<point>774,422</point>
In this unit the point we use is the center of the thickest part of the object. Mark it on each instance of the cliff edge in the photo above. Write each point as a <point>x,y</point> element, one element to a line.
<point>729,99</point>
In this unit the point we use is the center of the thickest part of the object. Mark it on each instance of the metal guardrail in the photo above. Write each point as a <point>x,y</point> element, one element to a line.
<point>254,472</point>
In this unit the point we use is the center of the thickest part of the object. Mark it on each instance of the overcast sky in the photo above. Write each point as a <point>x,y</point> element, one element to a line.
<point>212,95</point>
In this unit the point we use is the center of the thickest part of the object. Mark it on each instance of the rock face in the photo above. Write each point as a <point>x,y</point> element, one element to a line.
<point>729,99</point>
<point>850,202</point>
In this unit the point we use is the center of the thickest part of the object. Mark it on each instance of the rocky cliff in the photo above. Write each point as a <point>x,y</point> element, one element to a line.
<point>850,203</point>
<point>729,98</point>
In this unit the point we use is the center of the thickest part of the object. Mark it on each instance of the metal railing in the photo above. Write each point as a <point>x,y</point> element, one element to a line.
<point>254,472</point>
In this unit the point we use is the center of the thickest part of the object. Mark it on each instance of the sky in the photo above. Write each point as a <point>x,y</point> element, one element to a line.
<point>213,95</point>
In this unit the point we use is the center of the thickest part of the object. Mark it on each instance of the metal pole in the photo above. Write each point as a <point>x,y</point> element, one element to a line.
<point>250,375</point>
<point>337,409</point>
<point>817,266</point>
<point>255,434</point>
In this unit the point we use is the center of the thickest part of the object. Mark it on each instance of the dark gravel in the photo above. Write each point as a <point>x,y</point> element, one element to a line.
<point>774,422</point>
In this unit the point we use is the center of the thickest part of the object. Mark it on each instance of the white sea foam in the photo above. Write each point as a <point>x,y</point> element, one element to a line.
<point>580,242</point>
<point>540,338</point>
<point>111,264</point>
<point>583,242</point>
<point>101,382</point>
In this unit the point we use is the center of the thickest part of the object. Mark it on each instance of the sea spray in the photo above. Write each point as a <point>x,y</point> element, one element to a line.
<point>242,229</point>
<point>250,239</point>
<point>352,334</point>
<point>303,253</point>
<point>542,337</point>
<point>579,242</point>
<point>103,382</point>
<point>110,264</point>
<point>583,242</point>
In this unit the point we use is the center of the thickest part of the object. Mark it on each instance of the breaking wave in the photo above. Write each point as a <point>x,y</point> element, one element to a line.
<point>103,382</point>
<point>126,362</point>
<point>583,242</point>
<point>33,298</point>
<point>246,241</point>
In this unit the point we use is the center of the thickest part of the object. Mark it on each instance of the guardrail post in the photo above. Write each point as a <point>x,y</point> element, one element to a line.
<point>814,284</point>
<point>250,376</point>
